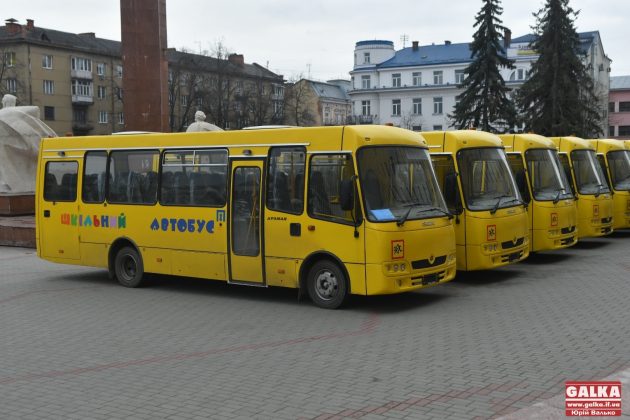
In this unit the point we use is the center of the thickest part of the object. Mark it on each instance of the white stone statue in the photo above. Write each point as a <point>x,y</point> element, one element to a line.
<point>200,124</point>
<point>20,133</point>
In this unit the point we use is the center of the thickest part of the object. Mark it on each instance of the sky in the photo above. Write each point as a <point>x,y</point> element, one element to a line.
<point>316,38</point>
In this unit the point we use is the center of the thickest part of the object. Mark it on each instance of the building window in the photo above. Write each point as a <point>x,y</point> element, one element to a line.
<point>9,59</point>
<point>81,88</point>
<point>102,92</point>
<point>49,113</point>
<point>184,100</point>
<point>416,128</point>
<point>437,127</point>
<point>365,82</point>
<point>438,77</point>
<point>119,93</point>
<point>611,107</point>
<point>366,58</point>
<point>611,131</point>
<point>518,74</point>
<point>417,78</point>
<point>119,70</point>
<point>624,106</point>
<point>102,117</point>
<point>47,61</point>
<point>396,80</point>
<point>396,107</point>
<point>49,87</point>
<point>121,118</point>
<point>459,76</point>
<point>11,85</point>
<point>417,106</point>
<point>199,101</point>
<point>437,106</point>
<point>624,130</point>
<point>80,63</point>
<point>365,108</point>
<point>100,69</point>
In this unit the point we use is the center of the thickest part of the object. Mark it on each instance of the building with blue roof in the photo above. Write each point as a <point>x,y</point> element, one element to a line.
<point>416,87</point>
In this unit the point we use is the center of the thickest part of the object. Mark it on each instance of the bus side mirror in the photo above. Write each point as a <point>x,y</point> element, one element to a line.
<point>346,194</point>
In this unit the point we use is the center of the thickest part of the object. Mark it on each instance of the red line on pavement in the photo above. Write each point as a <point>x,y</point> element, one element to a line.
<point>367,327</point>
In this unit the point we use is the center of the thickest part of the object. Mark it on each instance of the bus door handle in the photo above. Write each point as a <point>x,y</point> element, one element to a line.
<point>295,229</point>
<point>46,213</point>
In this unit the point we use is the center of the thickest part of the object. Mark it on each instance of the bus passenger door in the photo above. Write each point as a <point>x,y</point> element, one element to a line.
<point>246,251</point>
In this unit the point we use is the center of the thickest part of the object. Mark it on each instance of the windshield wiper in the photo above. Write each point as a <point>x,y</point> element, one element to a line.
<point>599,190</point>
<point>404,218</point>
<point>559,192</point>
<point>444,212</point>
<point>496,206</point>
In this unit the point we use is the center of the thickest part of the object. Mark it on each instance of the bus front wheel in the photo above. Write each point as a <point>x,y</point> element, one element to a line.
<point>327,285</point>
<point>128,267</point>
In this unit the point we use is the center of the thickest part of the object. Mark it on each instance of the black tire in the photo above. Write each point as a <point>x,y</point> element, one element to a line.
<point>327,285</point>
<point>128,267</point>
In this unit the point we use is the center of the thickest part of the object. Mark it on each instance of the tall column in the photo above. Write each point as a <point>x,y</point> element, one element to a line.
<point>145,66</point>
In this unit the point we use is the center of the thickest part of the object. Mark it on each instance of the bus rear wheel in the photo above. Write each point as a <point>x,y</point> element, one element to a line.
<point>128,267</point>
<point>327,285</point>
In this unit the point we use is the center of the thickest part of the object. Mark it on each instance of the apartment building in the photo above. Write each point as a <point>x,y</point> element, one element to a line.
<point>76,81</point>
<point>619,108</point>
<point>417,87</point>
<point>314,103</point>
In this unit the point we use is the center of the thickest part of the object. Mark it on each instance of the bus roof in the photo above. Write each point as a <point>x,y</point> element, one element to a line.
<point>523,142</point>
<point>607,145</point>
<point>451,141</point>
<point>341,138</point>
<point>570,143</point>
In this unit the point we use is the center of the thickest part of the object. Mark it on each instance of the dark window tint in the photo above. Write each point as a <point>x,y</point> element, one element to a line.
<point>518,169</point>
<point>49,113</point>
<point>194,178</point>
<point>285,184</point>
<point>94,177</point>
<point>624,130</point>
<point>60,181</point>
<point>624,106</point>
<point>132,177</point>
<point>447,179</point>
<point>325,177</point>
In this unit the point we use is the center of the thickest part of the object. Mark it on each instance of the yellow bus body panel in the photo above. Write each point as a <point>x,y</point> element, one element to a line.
<point>484,241</point>
<point>552,226</point>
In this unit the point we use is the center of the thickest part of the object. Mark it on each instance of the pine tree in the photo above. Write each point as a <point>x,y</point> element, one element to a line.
<point>484,103</point>
<point>558,98</point>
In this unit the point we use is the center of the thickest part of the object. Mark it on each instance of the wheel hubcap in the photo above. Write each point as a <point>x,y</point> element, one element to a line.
<point>326,285</point>
<point>129,267</point>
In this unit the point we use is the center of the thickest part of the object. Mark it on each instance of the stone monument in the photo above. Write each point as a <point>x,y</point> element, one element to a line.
<point>200,124</point>
<point>20,133</point>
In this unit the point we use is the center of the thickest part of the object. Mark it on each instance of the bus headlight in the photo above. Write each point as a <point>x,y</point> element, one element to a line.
<point>450,258</point>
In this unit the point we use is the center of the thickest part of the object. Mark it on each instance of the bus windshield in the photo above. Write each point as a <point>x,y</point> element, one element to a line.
<point>398,183</point>
<point>487,181</point>
<point>619,165</point>
<point>588,173</point>
<point>548,180</point>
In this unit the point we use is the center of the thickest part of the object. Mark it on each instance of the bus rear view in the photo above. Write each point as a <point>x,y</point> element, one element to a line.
<point>491,222</point>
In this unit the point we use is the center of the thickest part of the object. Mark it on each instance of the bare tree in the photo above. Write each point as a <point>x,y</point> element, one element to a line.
<point>296,109</point>
<point>9,70</point>
<point>409,120</point>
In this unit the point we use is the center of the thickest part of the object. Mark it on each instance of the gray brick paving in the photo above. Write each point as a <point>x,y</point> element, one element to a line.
<point>75,345</point>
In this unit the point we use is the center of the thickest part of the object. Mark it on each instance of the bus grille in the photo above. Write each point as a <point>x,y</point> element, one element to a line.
<point>420,264</point>
<point>606,220</point>
<point>606,230</point>
<point>515,256</point>
<point>567,241</point>
<point>512,244</point>
<point>569,229</point>
<point>428,279</point>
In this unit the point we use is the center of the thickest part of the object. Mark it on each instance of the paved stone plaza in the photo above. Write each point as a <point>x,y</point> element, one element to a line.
<point>75,345</point>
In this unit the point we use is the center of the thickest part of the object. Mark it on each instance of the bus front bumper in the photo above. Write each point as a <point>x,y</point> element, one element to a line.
<point>380,284</point>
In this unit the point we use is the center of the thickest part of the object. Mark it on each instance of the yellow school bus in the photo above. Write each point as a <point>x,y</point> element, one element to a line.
<point>491,227</point>
<point>552,210</point>
<point>614,157</point>
<point>594,200</point>
<point>331,211</point>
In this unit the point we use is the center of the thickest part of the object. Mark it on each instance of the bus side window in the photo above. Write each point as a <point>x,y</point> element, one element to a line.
<point>60,181</point>
<point>518,169</point>
<point>564,160</point>
<point>325,177</point>
<point>602,162</point>
<point>447,179</point>
<point>285,179</point>
<point>94,174</point>
<point>132,179</point>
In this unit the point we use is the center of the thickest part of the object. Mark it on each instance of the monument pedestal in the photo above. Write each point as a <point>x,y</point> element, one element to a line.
<point>17,204</point>
<point>17,231</point>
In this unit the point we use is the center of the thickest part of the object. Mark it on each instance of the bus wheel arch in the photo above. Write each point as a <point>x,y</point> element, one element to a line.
<point>125,263</point>
<point>328,267</point>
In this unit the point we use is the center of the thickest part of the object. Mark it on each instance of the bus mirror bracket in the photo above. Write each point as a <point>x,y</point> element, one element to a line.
<point>346,193</point>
